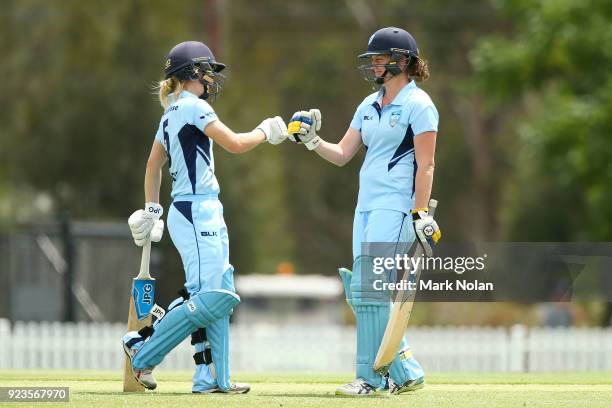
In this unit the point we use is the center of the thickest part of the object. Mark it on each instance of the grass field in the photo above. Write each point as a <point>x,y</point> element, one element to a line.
<point>96,389</point>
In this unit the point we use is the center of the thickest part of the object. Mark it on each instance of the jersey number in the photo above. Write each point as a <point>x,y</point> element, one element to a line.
<point>167,142</point>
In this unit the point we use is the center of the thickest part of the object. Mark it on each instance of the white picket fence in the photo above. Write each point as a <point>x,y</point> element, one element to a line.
<point>55,345</point>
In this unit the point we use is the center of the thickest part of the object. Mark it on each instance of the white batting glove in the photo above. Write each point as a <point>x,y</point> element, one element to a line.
<point>426,229</point>
<point>158,231</point>
<point>304,126</point>
<point>274,129</point>
<point>146,224</point>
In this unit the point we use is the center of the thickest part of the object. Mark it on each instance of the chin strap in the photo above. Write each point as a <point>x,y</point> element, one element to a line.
<point>205,80</point>
<point>381,79</point>
<point>205,95</point>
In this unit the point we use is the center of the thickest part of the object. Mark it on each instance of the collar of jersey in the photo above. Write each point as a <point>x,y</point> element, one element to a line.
<point>402,97</point>
<point>187,94</point>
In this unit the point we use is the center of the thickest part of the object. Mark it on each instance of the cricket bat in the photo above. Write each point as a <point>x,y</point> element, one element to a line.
<point>400,314</point>
<point>142,300</point>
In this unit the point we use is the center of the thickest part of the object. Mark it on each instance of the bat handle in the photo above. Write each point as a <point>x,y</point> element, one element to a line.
<point>144,261</point>
<point>433,203</point>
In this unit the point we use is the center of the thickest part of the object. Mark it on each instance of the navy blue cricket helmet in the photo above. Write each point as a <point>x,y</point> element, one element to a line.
<point>392,41</point>
<point>193,60</point>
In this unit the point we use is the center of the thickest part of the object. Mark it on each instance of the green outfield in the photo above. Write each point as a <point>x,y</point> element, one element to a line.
<point>95,389</point>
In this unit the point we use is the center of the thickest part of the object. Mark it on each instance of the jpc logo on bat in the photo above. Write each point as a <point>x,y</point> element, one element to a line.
<point>144,297</point>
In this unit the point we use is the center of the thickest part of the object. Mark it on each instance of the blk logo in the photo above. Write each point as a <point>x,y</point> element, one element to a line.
<point>209,233</point>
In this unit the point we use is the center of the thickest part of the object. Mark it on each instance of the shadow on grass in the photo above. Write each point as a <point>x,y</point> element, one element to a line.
<point>217,396</point>
<point>331,396</point>
<point>140,394</point>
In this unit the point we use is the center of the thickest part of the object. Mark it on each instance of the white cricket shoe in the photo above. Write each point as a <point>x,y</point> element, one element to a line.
<point>358,388</point>
<point>132,342</point>
<point>408,386</point>
<point>235,388</point>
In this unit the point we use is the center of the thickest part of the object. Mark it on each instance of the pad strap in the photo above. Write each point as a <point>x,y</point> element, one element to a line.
<point>198,336</point>
<point>183,293</point>
<point>146,332</point>
<point>203,357</point>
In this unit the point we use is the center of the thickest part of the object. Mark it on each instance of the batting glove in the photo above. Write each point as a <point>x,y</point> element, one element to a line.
<point>146,224</point>
<point>304,126</point>
<point>426,229</point>
<point>274,129</point>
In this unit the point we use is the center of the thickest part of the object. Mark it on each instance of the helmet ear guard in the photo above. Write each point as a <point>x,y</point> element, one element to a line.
<point>213,84</point>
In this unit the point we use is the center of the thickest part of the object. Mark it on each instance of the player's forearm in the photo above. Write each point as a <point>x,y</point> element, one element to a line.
<point>332,152</point>
<point>423,184</point>
<point>153,177</point>
<point>243,142</point>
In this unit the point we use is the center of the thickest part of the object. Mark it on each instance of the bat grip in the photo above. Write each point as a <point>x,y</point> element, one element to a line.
<point>432,206</point>
<point>144,261</point>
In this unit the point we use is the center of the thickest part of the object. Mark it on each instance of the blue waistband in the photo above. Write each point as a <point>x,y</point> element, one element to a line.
<point>196,197</point>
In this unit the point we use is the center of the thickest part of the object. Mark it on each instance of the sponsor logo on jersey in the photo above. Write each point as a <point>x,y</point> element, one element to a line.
<point>209,233</point>
<point>395,117</point>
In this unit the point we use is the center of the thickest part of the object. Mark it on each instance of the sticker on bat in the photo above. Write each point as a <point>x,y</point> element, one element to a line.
<point>143,292</point>
<point>158,311</point>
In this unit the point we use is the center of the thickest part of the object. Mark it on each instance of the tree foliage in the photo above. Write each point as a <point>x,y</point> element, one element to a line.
<point>555,66</point>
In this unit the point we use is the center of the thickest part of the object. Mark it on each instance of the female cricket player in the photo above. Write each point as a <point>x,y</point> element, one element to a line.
<point>184,139</point>
<point>398,127</point>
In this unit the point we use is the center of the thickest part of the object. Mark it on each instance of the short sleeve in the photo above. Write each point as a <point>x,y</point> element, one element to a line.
<point>159,136</point>
<point>357,119</point>
<point>425,119</point>
<point>203,114</point>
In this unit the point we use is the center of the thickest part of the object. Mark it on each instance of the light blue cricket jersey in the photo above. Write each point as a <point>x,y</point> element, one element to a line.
<point>190,154</point>
<point>386,179</point>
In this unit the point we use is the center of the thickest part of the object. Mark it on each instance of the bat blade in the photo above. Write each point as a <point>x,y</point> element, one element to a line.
<point>129,382</point>
<point>399,316</point>
<point>394,332</point>
<point>142,300</point>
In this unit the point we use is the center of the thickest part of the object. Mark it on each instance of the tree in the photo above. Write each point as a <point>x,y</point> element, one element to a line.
<point>555,66</point>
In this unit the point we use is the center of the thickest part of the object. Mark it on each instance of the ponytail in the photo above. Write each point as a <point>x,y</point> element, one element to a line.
<point>167,87</point>
<point>418,70</point>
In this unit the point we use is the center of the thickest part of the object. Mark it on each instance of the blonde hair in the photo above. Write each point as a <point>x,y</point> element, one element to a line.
<point>418,70</point>
<point>167,87</point>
